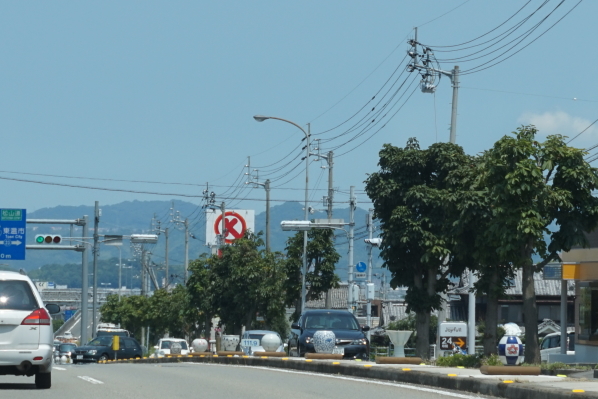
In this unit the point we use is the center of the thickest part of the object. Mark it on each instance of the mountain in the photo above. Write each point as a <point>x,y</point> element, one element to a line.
<point>134,217</point>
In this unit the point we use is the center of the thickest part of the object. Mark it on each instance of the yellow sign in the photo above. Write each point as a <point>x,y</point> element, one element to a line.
<point>115,343</point>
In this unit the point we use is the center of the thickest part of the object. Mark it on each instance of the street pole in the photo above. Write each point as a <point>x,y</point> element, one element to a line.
<point>564,343</point>
<point>351,233</point>
<point>267,188</point>
<point>371,233</point>
<point>84,287</point>
<point>186,224</point>
<point>330,189</point>
<point>455,82</point>
<point>167,281</point>
<point>96,252</point>
<point>222,227</point>
<point>120,269</point>
<point>306,218</point>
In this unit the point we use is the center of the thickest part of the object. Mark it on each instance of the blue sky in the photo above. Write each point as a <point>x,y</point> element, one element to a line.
<point>165,91</point>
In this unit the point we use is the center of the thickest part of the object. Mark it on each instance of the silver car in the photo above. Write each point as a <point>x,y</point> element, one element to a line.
<point>26,335</point>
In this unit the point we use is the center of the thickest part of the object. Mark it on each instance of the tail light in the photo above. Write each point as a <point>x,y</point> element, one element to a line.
<point>37,317</point>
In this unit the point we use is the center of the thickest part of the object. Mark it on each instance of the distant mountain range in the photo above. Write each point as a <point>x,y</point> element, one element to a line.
<point>132,217</point>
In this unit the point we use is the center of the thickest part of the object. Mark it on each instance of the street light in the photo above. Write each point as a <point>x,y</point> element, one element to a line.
<point>261,118</point>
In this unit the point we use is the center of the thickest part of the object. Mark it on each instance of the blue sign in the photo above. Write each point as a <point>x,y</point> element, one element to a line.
<point>13,224</point>
<point>361,267</point>
<point>69,313</point>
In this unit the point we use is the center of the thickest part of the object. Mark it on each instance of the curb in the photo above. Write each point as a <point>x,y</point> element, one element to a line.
<point>409,376</point>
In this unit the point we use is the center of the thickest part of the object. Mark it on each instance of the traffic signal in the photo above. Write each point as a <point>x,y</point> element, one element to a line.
<point>47,239</point>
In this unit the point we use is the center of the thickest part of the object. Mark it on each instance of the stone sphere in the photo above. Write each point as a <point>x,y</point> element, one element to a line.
<point>199,345</point>
<point>324,341</point>
<point>175,348</point>
<point>510,350</point>
<point>271,342</point>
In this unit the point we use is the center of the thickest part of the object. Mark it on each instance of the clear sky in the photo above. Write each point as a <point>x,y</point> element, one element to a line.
<point>165,91</point>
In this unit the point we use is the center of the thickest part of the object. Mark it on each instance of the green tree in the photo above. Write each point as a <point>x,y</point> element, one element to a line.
<point>131,312</point>
<point>414,196</point>
<point>537,190</point>
<point>321,260</point>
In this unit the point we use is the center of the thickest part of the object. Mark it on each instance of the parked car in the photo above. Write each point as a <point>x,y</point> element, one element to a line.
<point>25,330</point>
<point>551,344</point>
<point>251,341</point>
<point>67,350</point>
<point>165,344</point>
<point>351,341</point>
<point>101,348</point>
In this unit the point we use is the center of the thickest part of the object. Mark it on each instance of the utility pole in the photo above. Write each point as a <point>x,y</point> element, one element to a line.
<point>96,252</point>
<point>266,186</point>
<point>330,189</point>
<point>178,221</point>
<point>158,230</point>
<point>223,226</point>
<point>351,233</point>
<point>84,287</point>
<point>422,63</point>
<point>370,225</point>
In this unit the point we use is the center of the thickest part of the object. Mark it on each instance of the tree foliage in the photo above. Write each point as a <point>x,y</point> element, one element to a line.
<point>414,196</point>
<point>321,260</point>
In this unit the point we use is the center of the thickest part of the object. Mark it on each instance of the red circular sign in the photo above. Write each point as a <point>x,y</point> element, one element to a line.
<point>234,225</point>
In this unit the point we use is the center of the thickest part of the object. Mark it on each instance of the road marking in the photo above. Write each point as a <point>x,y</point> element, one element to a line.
<point>58,368</point>
<point>392,384</point>
<point>89,379</point>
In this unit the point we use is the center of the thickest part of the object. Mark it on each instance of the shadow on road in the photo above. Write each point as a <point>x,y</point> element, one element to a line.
<point>17,387</point>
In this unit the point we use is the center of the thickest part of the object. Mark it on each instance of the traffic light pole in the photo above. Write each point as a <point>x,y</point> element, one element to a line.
<point>96,253</point>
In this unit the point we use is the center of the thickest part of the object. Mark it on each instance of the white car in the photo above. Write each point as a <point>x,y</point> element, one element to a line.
<point>165,344</point>
<point>26,330</point>
<point>251,341</point>
<point>551,344</point>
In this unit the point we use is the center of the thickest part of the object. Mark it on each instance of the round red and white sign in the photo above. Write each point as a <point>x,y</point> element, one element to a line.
<point>234,225</point>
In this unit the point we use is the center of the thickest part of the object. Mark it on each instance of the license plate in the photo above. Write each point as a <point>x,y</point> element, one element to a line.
<point>338,351</point>
<point>250,342</point>
<point>79,357</point>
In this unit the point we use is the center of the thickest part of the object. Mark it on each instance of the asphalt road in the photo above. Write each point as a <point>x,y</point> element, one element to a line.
<point>193,380</point>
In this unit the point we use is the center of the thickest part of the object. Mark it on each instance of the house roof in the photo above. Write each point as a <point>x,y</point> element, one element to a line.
<point>543,287</point>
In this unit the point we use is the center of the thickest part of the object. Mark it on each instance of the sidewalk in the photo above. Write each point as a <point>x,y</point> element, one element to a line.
<point>468,380</point>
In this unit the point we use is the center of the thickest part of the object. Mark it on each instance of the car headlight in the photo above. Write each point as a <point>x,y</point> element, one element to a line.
<point>309,340</point>
<point>92,352</point>
<point>68,353</point>
<point>361,341</point>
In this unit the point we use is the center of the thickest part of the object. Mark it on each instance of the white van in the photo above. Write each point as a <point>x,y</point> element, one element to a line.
<point>551,344</point>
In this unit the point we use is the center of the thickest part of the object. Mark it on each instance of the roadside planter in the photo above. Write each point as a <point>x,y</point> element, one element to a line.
<point>399,339</point>
<point>230,342</point>
<point>270,342</point>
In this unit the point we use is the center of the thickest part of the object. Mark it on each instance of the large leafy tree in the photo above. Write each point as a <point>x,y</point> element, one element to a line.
<point>414,196</point>
<point>540,195</point>
<point>130,312</point>
<point>321,260</point>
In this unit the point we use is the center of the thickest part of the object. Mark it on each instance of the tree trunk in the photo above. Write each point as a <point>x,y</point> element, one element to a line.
<point>530,314</point>
<point>422,343</point>
<point>491,316</point>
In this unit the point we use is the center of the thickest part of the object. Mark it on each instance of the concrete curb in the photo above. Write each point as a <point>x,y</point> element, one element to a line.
<point>369,370</point>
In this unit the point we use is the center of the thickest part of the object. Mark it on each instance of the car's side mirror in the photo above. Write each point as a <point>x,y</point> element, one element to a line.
<point>365,328</point>
<point>295,326</point>
<point>52,308</point>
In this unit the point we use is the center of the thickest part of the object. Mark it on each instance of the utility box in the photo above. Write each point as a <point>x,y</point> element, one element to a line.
<point>370,291</point>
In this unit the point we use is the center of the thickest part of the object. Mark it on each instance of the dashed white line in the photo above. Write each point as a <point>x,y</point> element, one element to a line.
<point>58,368</point>
<point>393,384</point>
<point>89,379</point>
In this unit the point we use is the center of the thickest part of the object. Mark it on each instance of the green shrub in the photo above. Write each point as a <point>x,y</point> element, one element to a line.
<point>492,360</point>
<point>456,360</point>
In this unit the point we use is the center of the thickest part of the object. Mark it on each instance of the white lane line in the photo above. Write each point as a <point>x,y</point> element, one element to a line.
<point>58,368</point>
<point>392,384</point>
<point>89,379</point>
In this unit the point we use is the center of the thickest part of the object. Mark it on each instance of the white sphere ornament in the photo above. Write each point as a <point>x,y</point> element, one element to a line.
<point>324,341</point>
<point>199,345</point>
<point>271,342</point>
<point>510,350</point>
<point>230,342</point>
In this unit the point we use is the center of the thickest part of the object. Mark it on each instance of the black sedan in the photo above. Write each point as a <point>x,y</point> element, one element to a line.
<point>101,348</point>
<point>351,341</point>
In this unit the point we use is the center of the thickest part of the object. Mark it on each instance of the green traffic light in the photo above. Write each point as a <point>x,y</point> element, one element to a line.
<point>39,239</point>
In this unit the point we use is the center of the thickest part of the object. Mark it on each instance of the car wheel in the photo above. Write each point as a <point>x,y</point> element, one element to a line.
<point>43,380</point>
<point>103,358</point>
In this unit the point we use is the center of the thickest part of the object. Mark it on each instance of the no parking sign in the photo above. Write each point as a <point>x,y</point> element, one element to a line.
<point>236,223</point>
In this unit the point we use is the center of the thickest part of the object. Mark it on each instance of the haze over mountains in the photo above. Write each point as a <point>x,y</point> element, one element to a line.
<point>132,217</point>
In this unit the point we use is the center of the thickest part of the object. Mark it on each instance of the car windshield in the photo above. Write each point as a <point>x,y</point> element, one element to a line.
<point>16,295</point>
<point>168,344</point>
<point>255,336</point>
<point>67,348</point>
<point>331,321</point>
<point>101,341</point>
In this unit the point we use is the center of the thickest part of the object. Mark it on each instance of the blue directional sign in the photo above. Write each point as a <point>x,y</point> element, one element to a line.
<point>13,223</point>
<point>361,267</point>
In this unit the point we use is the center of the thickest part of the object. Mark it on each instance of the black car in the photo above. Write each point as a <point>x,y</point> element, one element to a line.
<point>100,348</point>
<point>350,338</point>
